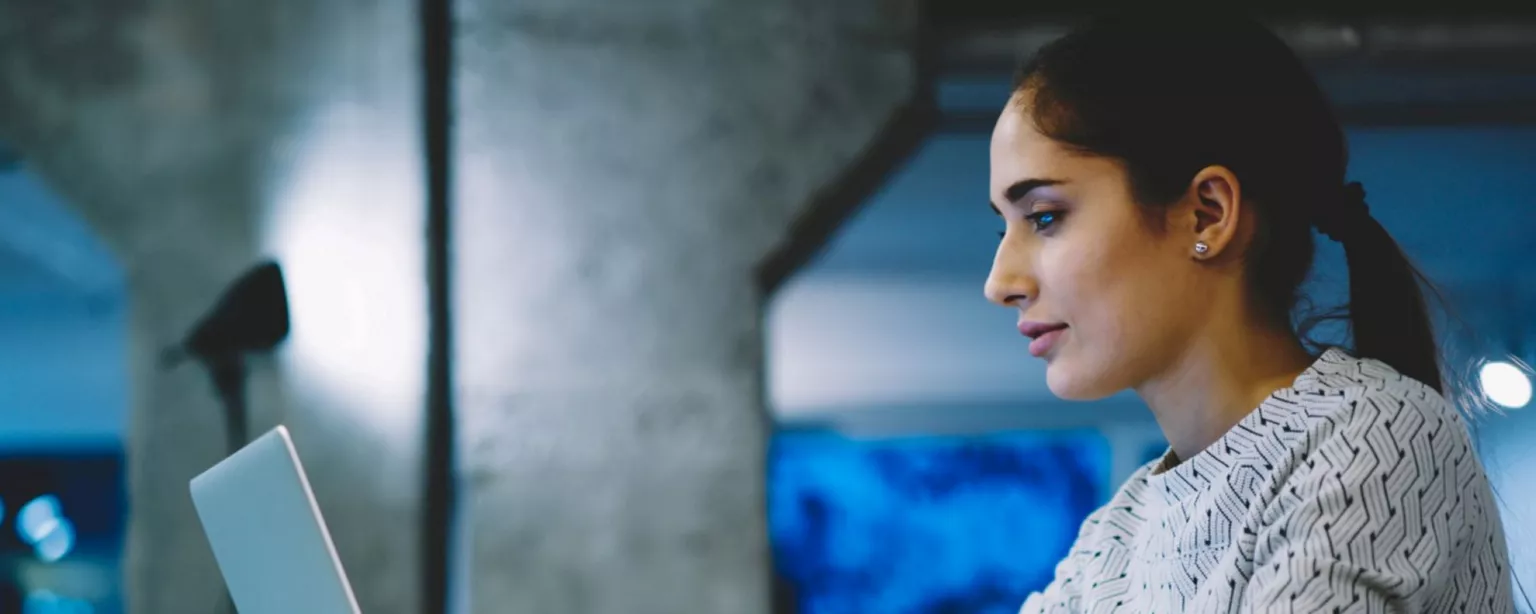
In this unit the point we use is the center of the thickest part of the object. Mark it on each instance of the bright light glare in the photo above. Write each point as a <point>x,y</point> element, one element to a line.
<point>38,518</point>
<point>347,226</point>
<point>58,543</point>
<point>1505,384</point>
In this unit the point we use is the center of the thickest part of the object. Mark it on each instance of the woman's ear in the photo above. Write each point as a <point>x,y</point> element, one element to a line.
<point>1214,214</point>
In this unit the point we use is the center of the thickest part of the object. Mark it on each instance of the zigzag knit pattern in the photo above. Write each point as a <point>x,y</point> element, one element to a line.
<point>1355,490</point>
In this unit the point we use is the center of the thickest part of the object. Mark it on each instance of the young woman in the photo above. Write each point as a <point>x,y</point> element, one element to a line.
<point>1159,182</point>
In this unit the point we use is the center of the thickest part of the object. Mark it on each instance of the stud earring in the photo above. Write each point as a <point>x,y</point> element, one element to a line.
<point>1201,247</point>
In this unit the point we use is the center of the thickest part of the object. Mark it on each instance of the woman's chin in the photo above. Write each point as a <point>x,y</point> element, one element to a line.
<point>1073,385</point>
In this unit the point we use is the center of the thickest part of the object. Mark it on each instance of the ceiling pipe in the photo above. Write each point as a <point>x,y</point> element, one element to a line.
<point>1471,44</point>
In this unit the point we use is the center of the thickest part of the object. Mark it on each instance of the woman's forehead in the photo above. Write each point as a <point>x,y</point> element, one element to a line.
<point>1020,151</point>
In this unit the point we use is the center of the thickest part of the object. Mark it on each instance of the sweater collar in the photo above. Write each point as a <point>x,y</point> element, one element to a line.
<point>1196,474</point>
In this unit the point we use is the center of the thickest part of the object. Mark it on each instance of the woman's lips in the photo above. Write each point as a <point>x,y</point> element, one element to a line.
<point>1043,344</point>
<point>1043,334</point>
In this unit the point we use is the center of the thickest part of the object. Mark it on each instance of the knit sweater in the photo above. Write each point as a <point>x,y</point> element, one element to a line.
<point>1355,490</point>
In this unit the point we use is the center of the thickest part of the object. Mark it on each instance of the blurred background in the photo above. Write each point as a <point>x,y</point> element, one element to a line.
<point>644,308</point>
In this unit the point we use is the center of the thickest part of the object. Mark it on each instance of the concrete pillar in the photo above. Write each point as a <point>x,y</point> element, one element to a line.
<point>624,172</point>
<point>196,138</point>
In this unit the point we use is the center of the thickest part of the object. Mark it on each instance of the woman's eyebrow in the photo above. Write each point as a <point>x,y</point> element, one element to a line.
<point>1022,188</point>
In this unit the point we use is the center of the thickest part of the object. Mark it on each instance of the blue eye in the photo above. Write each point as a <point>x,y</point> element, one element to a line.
<point>1043,220</point>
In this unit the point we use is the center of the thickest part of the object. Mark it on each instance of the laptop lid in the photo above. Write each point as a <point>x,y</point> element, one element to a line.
<point>267,534</point>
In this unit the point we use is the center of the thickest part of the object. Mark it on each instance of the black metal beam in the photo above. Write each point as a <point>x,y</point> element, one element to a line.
<point>436,40</point>
<point>987,13</point>
<point>1494,57</point>
<point>1363,44</point>
<point>1451,114</point>
<point>1355,116</point>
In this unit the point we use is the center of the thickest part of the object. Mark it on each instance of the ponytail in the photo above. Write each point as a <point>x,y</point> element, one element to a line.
<point>1387,312</point>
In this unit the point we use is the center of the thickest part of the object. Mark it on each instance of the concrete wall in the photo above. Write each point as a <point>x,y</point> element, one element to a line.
<point>624,170</point>
<point>196,138</point>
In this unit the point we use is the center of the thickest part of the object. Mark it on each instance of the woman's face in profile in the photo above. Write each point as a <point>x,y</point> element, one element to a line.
<point>1109,299</point>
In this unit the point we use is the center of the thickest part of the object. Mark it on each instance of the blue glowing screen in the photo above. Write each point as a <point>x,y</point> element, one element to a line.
<point>929,524</point>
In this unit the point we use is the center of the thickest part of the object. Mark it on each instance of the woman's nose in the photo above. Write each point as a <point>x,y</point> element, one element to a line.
<point>1009,283</point>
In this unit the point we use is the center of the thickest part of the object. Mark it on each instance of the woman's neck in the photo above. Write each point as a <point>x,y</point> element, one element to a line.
<point>1218,380</point>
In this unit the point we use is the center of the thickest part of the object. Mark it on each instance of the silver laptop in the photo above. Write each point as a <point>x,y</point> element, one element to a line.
<point>267,534</point>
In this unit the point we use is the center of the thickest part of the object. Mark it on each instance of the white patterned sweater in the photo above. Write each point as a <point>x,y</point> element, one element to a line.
<point>1354,490</point>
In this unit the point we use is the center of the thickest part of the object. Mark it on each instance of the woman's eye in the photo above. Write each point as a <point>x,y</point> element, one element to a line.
<point>1043,220</point>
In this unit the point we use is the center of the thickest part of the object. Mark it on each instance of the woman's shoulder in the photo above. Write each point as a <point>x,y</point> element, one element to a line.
<point>1356,396</point>
<point>1358,420</point>
<point>1379,475</point>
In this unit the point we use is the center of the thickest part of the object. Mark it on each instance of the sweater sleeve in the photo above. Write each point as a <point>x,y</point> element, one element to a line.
<point>1064,594</point>
<point>1375,516</point>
